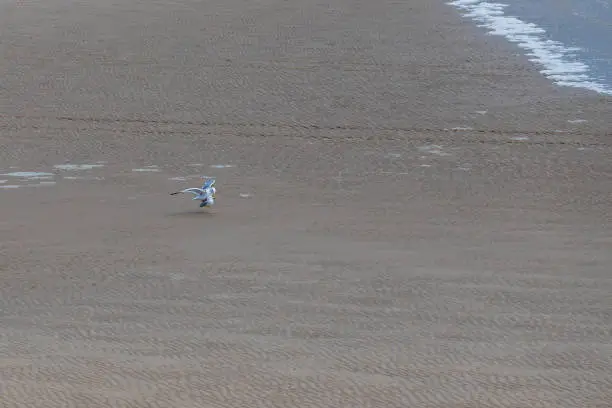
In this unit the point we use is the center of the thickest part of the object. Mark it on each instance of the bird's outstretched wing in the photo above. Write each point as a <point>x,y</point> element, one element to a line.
<point>195,191</point>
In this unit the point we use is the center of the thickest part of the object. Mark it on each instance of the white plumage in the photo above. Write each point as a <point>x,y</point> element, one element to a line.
<point>206,194</point>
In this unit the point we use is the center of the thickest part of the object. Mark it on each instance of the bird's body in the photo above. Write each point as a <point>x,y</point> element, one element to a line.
<point>206,194</point>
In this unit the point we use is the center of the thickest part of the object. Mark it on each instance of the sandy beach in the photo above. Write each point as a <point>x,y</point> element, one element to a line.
<point>408,214</point>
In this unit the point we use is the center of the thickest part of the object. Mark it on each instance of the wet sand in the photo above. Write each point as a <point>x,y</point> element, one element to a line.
<point>408,213</point>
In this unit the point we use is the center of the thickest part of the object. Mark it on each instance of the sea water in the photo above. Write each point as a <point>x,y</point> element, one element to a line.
<point>570,40</point>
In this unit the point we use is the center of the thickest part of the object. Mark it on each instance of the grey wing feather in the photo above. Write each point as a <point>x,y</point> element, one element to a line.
<point>197,192</point>
<point>194,191</point>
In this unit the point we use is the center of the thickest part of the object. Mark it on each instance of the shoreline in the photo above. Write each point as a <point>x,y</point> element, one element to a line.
<point>557,61</point>
<point>430,68</point>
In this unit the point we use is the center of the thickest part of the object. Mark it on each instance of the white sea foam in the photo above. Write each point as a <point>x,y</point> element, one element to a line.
<point>559,62</point>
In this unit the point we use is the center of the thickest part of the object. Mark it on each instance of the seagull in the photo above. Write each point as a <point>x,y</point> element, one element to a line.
<point>206,194</point>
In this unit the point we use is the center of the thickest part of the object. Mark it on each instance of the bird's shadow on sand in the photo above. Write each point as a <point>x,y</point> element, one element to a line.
<point>192,214</point>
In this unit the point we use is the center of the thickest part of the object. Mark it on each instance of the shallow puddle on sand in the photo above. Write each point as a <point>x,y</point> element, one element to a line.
<point>77,167</point>
<point>82,178</point>
<point>433,149</point>
<point>146,170</point>
<point>28,174</point>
